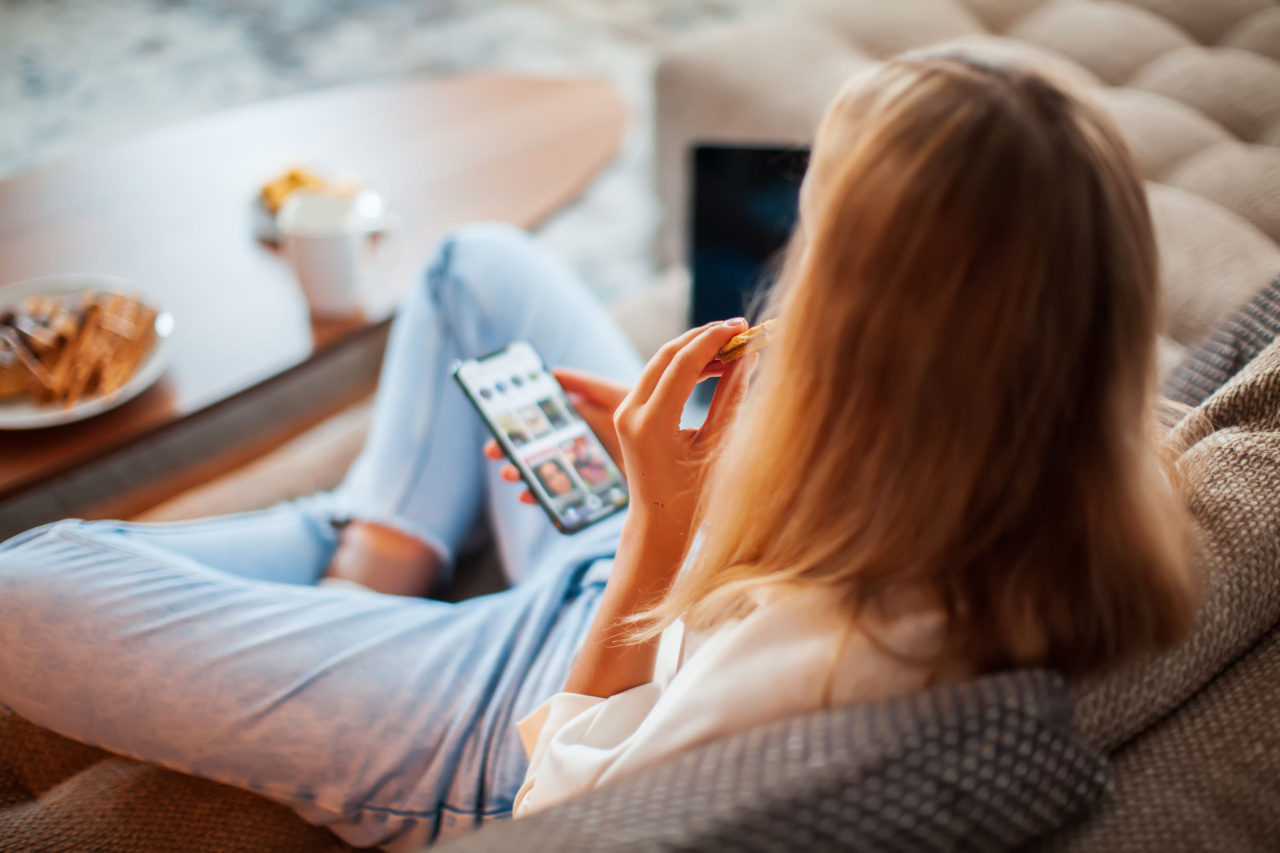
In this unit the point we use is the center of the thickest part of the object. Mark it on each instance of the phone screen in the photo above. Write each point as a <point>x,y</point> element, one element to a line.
<point>561,460</point>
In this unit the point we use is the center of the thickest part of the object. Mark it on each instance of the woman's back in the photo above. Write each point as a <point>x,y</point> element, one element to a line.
<point>947,467</point>
<point>958,407</point>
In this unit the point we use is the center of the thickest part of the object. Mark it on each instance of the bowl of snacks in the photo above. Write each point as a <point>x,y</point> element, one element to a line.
<point>74,346</point>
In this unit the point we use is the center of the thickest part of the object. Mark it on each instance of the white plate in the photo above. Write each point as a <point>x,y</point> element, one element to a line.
<point>25,414</point>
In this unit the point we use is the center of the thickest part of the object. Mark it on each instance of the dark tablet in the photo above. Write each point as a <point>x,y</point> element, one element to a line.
<point>744,203</point>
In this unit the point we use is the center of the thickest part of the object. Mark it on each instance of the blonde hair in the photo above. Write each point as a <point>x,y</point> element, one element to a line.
<point>957,407</point>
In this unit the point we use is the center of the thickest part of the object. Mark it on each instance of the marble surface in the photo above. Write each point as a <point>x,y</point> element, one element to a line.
<point>75,74</point>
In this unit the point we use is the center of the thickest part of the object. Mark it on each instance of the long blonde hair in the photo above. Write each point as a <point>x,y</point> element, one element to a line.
<point>958,404</point>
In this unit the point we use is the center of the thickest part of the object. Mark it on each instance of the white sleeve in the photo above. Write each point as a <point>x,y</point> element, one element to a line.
<point>571,740</point>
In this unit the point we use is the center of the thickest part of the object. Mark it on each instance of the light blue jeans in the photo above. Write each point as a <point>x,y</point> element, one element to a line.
<point>205,647</point>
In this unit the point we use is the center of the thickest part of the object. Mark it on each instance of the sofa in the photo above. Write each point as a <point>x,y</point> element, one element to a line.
<point>1194,86</point>
<point>1185,745</point>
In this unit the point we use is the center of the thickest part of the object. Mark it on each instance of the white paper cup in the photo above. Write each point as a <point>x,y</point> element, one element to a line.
<point>327,238</point>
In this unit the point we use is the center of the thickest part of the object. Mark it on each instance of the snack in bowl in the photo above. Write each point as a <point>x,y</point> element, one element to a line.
<point>741,346</point>
<point>59,349</point>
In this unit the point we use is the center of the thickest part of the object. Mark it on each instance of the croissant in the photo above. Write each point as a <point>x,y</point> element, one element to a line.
<point>741,346</point>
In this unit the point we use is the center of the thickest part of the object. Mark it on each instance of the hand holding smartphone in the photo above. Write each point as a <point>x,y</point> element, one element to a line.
<point>560,459</point>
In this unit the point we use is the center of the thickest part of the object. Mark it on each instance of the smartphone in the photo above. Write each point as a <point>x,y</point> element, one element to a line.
<point>563,463</point>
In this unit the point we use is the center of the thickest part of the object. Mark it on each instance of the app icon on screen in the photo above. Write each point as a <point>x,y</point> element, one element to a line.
<point>555,413</point>
<point>553,476</point>
<point>514,430</point>
<point>535,421</point>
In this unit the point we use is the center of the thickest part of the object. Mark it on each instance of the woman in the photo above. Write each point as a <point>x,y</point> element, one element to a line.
<point>946,469</point>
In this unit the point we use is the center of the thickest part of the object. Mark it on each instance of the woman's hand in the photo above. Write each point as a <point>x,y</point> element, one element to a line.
<point>667,465</point>
<point>596,399</point>
<point>666,470</point>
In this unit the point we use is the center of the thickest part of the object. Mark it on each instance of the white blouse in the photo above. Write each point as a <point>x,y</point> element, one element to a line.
<point>793,654</point>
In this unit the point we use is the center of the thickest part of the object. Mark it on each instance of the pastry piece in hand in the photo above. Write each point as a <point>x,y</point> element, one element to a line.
<point>741,346</point>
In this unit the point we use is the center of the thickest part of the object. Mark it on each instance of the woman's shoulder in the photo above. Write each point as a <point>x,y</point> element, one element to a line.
<point>804,640</point>
<point>795,653</point>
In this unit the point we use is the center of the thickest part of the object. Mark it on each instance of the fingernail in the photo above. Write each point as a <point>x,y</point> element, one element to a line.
<point>736,321</point>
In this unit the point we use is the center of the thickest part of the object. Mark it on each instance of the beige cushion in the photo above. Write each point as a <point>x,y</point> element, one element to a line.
<point>736,77</point>
<point>1013,51</point>
<point>1238,89</point>
<point>744,85</point>
<point>1259,33</point>
<point>883,29</point>
<point>740,74</point>
<point>1161,132</point>
<point>724,88</point>
<point>1211,260</point>
<point>1206,21</point>
<point>1244,179</point>
<point>1000,16</point>
<point>1113,40</point>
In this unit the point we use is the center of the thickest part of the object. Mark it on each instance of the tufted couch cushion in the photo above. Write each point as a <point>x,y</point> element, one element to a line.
<point>1194,86</point>
<point>1207,21</point>
<point>1212,260</point>
<point>1236,88</point>
<point>1162,133</point>
<point>882,29</point>
<point>1259,33</point>
<point>1113,39</point>
<point>1244,179</point>
<point>1227,350</point>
